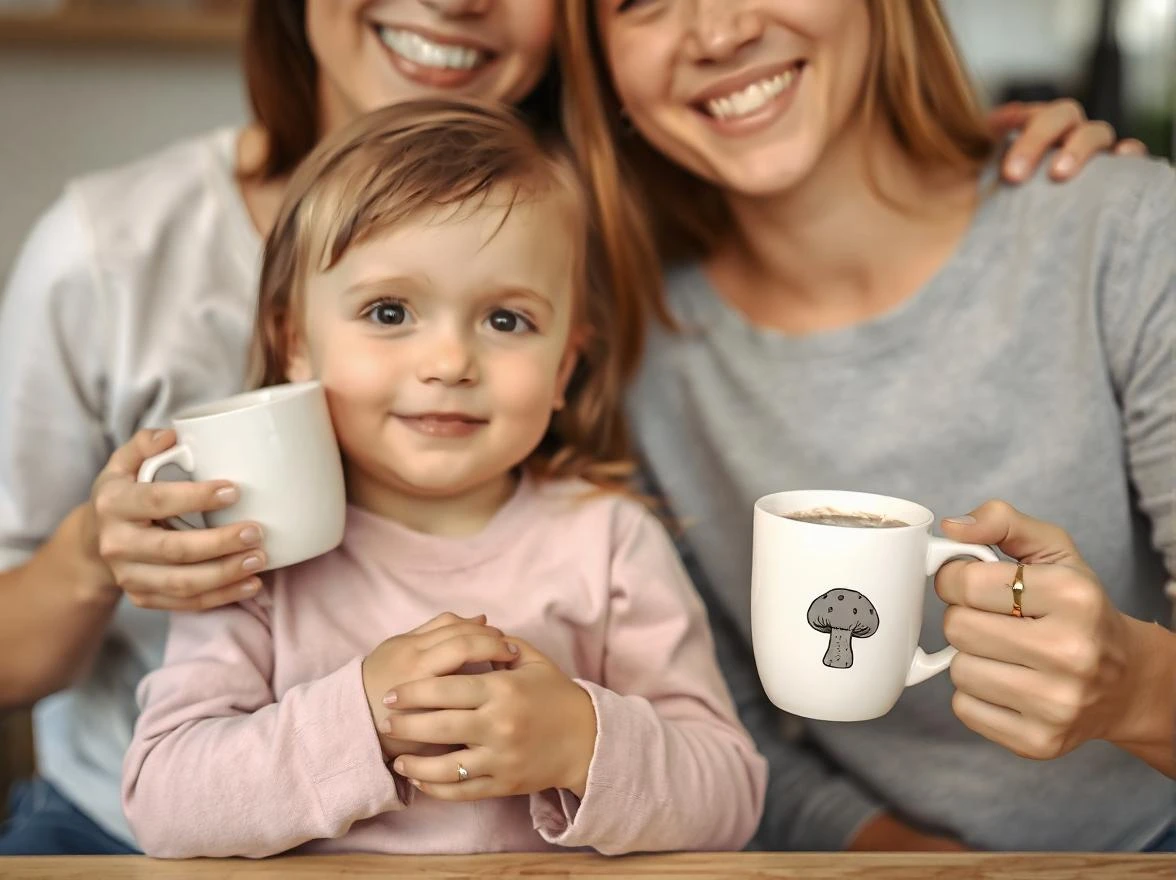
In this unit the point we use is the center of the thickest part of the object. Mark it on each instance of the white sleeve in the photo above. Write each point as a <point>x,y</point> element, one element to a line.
<point>52,389</point>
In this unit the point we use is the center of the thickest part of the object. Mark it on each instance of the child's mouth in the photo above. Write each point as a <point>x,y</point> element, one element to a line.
<point>448,425</point>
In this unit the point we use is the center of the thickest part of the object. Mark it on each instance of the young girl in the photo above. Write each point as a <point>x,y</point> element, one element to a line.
<point>504,653</point>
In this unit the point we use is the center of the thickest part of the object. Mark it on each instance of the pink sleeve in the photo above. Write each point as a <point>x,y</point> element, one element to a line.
<point>673,768</point>
<point>218,767</point>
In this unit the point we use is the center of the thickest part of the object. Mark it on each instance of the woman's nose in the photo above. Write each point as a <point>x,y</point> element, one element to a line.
<point>718,29</point>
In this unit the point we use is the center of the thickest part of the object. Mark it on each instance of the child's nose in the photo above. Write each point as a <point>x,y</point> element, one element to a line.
<point>450,361</point>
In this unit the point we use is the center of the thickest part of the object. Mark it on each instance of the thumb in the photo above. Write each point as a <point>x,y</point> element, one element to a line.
<point>528,653</point>
<point>1017,535</point>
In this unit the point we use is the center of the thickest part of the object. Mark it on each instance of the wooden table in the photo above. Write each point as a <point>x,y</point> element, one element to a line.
<point>695,866</point>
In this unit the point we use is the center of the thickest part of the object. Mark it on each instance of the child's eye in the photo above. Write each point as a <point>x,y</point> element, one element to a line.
<point>506,321</point>
<point>387,313</point>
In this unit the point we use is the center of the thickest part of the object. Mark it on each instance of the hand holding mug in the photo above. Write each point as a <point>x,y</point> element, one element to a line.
<point>1072,669</point>
<point>163,568</point>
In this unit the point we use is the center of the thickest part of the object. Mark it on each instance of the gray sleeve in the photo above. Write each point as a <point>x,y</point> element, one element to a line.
<point>52,442</point>
<point>1138,318</point>
<point>809,806</point>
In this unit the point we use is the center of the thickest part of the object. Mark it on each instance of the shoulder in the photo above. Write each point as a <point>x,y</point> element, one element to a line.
<point>576,507</point>
<point>1110,193</point>
<point>132,208</point>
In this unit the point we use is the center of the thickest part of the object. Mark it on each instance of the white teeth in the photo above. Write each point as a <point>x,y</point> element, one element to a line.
<point>747,100</point>
<point>417,49</point>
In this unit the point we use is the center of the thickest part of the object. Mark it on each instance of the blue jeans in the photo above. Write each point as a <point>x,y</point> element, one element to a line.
<point>1166,842</point>
<point>42,822</point>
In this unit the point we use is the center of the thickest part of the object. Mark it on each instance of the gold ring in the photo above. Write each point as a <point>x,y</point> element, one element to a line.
<point>462,773</point>
<point>1018,587</point>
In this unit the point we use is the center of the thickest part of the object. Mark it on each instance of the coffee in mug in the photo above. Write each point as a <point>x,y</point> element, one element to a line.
<point>827,516</point>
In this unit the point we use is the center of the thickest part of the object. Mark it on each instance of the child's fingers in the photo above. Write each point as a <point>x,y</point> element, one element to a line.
<point>441,769</point>
<point>452,654</point>
<point>480,789</point>
<point>446,692</point>
<point>446,618</point>
<point>443,727</point>
<point>426,640</point>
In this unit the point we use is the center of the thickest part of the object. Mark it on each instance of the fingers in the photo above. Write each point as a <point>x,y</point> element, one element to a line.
<point>130,542</point>
<point>442,727</point>
<point>441,769</point>
<point>188,581</point>
<point>994,636</point>
<point>1131,147</point>
<point>447,692</point>
<point>1011,116</point>
<point>129,457</point>
<point>126,499</point>
<point>432,638</point>
<point>237,592</point>
<point>1016,534</point>
<point>1044,127</point>
<point>996,723</point>
<point>446,618</point>
<point>450,655</point>
<point>1000,684</point>
<point>1080,146</point>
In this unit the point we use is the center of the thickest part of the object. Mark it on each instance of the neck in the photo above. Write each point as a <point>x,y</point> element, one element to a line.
<point>458,515</point>
<point>834,250</point>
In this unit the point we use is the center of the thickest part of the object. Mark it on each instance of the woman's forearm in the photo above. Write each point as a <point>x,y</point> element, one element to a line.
<point>1148,729</point>
<point>53,612</point>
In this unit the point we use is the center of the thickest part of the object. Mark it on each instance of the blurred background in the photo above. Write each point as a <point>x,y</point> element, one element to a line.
<point>85,84</point>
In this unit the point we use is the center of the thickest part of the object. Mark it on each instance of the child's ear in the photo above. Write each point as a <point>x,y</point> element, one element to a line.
<point>567,366</point>
<point>298,366</point>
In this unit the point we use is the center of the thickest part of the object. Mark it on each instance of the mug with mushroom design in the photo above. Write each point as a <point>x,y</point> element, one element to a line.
<point>836,611</point>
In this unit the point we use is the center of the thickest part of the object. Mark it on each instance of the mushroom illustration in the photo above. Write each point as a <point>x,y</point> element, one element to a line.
<point>844,615</point>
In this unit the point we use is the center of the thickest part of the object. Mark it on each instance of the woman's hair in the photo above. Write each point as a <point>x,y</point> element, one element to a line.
<point>281,77</point>
<point>914,82</point>
<point>406,162</point>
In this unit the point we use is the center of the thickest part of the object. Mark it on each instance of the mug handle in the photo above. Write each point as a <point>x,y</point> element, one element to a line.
<point>939,552</point>
<point>181,456</point>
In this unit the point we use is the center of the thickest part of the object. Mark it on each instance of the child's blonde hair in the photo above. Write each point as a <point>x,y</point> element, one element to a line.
<point>409,160</point>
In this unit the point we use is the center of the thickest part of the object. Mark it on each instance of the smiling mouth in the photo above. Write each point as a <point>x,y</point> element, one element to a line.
<point>752,98</point>
<point>443,424</point>
<point>423,52</point>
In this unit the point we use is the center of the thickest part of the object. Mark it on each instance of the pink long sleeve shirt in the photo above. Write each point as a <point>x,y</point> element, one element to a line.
<point>255,736</point>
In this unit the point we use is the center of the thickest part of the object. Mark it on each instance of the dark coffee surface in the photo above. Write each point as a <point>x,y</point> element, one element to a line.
<point>828,516</point>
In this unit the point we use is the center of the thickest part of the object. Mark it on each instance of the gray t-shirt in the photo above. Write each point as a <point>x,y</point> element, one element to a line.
<point>133,297</point>
<point>1037,366</point>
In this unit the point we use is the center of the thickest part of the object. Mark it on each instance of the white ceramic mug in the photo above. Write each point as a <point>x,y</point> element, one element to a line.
<point>278,446</point>
<point>836,611</point>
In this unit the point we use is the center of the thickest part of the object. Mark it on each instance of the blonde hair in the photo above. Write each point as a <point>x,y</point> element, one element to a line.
<point>914,82</point>
<point>412,158</point>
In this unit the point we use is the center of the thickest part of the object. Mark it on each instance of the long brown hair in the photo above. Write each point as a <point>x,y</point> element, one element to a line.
<point>281,77</point>
<point>394,164</point>
<point>915,82</point>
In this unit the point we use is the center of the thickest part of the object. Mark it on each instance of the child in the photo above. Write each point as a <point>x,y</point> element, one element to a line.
<point>428,267</point>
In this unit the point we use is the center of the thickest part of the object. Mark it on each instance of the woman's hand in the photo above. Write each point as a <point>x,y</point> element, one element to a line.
<point>164,568</point>
<point>1060,124</point>
<point>1073,669</point>
<point>526,728</point>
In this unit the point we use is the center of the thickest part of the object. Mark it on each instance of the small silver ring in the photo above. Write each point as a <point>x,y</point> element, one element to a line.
<point>462,773</point>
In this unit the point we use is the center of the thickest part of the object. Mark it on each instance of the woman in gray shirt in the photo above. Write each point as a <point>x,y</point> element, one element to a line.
<point>860,305</point>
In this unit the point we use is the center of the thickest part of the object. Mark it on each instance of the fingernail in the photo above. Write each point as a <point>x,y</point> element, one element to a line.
<point>250,535</point>
<point>1064,164</point>
<point>252,563</point>
<point>966,520</point>
<point>390,698</point>
<point>250,588</point>
<point>227,495</point>
<point>1017,167</point>
<point>416,783</point>
<point>155,436</point>
<point>512,647</point>
<point>385,727</point>
<point>398,766</point>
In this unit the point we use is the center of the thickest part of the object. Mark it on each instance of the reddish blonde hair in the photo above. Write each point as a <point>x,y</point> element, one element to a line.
<point>397,163</point>
<point>659,212</point>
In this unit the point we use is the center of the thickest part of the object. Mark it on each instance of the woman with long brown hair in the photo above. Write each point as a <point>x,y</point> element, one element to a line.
<point>855,302</point>
<point>134,297</point>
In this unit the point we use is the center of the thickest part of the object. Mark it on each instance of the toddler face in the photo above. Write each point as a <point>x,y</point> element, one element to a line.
<point>444,345</point>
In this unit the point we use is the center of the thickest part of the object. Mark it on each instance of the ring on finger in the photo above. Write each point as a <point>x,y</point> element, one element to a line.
<point>1018,588</point>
